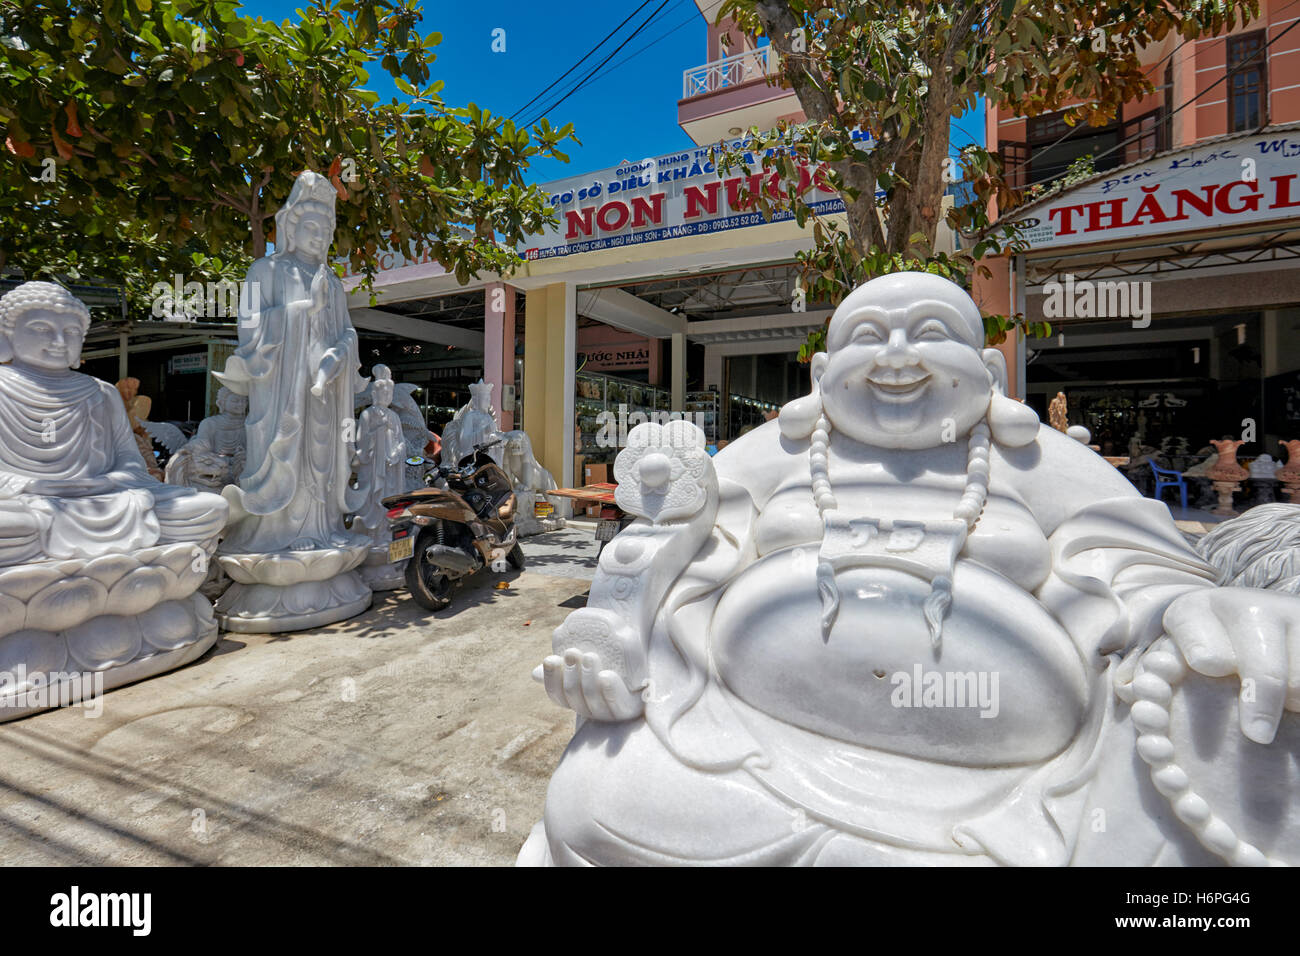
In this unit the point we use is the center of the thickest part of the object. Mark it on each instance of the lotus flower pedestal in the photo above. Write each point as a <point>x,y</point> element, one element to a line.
<point>292,590</point>
<point>125,616</point>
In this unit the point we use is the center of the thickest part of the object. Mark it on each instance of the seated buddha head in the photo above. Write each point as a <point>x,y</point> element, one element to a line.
<point>42,325</point>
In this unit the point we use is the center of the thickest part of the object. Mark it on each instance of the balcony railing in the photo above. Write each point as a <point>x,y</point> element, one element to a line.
<point>729,71</point>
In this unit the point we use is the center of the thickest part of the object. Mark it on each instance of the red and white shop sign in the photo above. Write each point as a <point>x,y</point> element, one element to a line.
<point>1238,182</point>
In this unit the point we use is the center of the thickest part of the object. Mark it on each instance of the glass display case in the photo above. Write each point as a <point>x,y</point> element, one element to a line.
<point>704,409</point>
<point>746,413</point>
<point>597,394</point>
<point>621,398</point>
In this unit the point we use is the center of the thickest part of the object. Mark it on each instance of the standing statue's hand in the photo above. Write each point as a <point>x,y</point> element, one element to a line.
<point>1250,632</point>
<point>326,372</point>
<point>320,288</point>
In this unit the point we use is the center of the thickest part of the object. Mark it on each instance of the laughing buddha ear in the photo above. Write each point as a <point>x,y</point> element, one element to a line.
<point>996,363</point>
<point>799,417</point>
<point>1012,423</point>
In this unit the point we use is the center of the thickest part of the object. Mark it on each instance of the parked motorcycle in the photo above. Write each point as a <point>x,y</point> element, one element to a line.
<point>463,522</point>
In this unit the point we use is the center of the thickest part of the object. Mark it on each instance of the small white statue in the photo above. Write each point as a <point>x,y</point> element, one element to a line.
<point>416,434</point>
<point>474,423</point>
<point>214,457</point>
<point>906,625</point>
<point>380,465</point>
<point>530,480</point>
<point>292,560</point>
<point>99,562</point>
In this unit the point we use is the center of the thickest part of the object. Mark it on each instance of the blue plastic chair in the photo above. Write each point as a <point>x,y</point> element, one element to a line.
<point>1177,482</point>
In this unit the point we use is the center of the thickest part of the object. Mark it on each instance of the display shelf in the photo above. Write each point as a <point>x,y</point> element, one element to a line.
<point>598,393</point>
<point>746,412</point>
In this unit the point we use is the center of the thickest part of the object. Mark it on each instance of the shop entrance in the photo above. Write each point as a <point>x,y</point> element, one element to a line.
<point>1172,387</point>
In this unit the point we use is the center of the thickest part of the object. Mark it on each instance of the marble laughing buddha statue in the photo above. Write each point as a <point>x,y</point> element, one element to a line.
<point>99,562</point>
<point>905,624</point>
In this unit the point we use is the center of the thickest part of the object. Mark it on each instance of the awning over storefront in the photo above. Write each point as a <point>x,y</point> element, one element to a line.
<point>1207,216</point>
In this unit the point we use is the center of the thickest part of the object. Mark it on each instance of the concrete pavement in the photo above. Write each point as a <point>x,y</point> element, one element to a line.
<point>398,737</point>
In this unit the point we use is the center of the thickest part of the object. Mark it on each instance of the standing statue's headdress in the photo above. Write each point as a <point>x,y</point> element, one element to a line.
<point>311,192</point>
<point>482,391</point>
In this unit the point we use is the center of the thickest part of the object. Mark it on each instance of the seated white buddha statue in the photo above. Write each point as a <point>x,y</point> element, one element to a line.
<point>905,624</point>
<point>72,483</point>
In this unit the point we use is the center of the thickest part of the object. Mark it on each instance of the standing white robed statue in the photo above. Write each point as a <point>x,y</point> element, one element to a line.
<point>905,624</point>
<point>99,561</point>
<point>420,442</point>
<point>381,471</point>
<point>291,558</point>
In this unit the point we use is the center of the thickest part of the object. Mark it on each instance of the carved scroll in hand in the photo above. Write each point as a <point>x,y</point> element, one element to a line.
<point>667,479</point>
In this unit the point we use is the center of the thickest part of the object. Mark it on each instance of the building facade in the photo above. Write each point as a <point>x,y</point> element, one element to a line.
<point>1167,274</point>
<point>1170,274</point>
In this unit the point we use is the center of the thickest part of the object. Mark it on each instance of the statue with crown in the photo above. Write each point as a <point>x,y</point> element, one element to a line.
<point>475,423</point>
<point>99,561</point>
<point>292,560</point>
<point>905,624</point>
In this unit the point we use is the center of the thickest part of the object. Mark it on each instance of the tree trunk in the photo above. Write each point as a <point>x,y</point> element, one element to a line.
<point>915,208</point>
<point>865,228</point>
<point>255,223</point>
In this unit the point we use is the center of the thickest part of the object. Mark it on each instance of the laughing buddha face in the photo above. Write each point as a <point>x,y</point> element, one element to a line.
<point>903,366</point>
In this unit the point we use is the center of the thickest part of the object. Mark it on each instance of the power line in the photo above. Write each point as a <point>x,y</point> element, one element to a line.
<point>630,37</point>
<point>585,56</point>
<point>665,36</point>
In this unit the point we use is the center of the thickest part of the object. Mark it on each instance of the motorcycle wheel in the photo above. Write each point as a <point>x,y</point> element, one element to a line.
<point>430,589</point>
<point>516,557</point>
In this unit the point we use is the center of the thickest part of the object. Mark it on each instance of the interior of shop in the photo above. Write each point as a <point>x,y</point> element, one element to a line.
<point>1173,386</point>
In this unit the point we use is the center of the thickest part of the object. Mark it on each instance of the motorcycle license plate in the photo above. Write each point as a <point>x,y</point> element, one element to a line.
<point>401,549</point>
<point>606,530</point>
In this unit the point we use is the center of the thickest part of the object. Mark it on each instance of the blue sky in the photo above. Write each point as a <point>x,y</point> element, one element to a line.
<point>626,112</point>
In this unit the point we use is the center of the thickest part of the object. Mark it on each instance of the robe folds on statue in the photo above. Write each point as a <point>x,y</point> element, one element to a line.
<point>869,805</point>
<point>299,445</point>
<point>73,429</point>
<point>381,471</point>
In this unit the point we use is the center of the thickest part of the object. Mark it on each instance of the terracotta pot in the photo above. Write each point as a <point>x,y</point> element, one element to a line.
<point>1228,468</point>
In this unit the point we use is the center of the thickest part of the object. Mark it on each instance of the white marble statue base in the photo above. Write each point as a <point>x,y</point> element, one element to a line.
<point>527,523</point>
<point>531,526</point>
<point>380,574</point>
<point>121,648</point>
<point>292,590</point>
